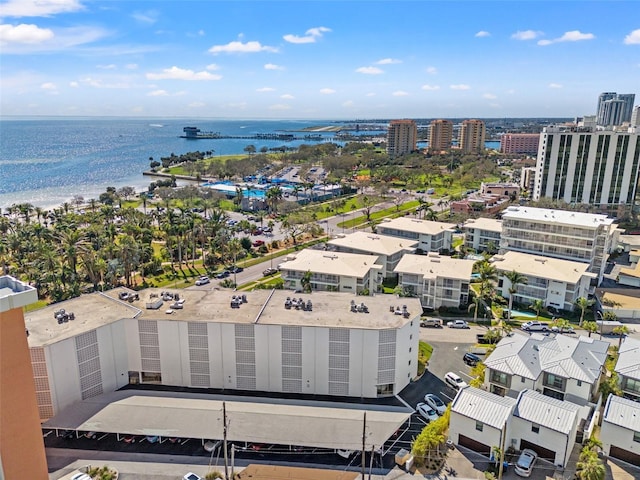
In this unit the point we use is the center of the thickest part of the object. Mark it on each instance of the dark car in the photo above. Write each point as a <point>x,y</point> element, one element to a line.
<point>471,359</point>
<point>235,269</point>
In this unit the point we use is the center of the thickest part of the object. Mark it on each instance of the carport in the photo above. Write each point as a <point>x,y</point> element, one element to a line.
<point>249,419</point>
<point>541,451</point>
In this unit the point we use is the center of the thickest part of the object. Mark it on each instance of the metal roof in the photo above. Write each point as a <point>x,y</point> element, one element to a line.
<point>549,412</point>
<point>622,412</point>
<point>516,355</point>
<point>629,358</point>
<point>189,415</point>
<point>483,406</point>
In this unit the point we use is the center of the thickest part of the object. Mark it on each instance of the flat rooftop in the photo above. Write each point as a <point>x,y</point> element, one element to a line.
<point>482,223</point>
<point>356,265</point>
<point>415,225</point>
<point>374,243</point>
<point>565,217</point>
<point>542,267</point>
<point>262,307</point>
<point>15,294</point>
<point>193,415</point>
<point>434,265</point>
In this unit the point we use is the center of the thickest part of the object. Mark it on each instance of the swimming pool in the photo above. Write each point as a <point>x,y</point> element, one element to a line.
<point>229,188</point>
<point>519,313</point>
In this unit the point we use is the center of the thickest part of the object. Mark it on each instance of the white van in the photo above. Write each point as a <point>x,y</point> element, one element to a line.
<point>455,381</point>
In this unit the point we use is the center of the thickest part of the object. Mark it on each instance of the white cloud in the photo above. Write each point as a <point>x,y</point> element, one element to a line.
<point>348,103</point>
<point>555,85</point>
<point>272,66</point>
<point>74,84</point>
<point>158,93</point>
<point>131,66</point>
<point>48,86</point>
<point>24,33</point>
<point>489,96</point>
<point>399,93</point>
<point>572,36</point>
<point>388,61</point>
<point>175,73</point>
<point>196,105</point>
<point>212,67</point>
<point>111,66</point>
<point>287,96</point>
<point>482,34</point>
<point>311,35</point>
<point>97,83</point>
<point>149,16</point>
<point>370,94</point>
<point>279,106</point>
<point>430,87</point>
<point>327,91</point>
<point>39,8</point>
<point>460,86</point>
<point>432,70</point>
<point>526,35</point>
<point>266,89</point>
<point>370,70</point>
<point>633,38</point>
<point>239,47</point>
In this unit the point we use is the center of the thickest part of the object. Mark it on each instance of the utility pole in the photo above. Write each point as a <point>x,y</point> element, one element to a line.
<point>364,437</point>
<point>224,442</point>
<point>502,439</point>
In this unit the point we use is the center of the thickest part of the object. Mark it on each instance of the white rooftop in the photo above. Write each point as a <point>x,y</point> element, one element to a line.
<point>528,356</point>
<point>15,294</point>
<point>190,415</point>
<point>331,263</point>
<point>566,217</point>
<point>483,406</point>
<point>374,243</point>
<point>549,412</point>
<point>622,412</point>
<point>542,267</point>
<point>415,225</point>
<point>482,223</point>
<point>432,266</point>
<point>629,358</point>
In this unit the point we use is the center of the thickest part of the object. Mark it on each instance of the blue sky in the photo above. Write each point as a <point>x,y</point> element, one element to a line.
<point>315,59</point>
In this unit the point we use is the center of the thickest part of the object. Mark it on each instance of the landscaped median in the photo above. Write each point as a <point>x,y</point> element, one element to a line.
<point>380,214</point>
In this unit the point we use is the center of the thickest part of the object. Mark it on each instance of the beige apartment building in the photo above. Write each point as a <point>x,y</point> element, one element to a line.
<point>472,136</point>
<point>440,135</point>
<point>21,445</point>
<point>401,137</point>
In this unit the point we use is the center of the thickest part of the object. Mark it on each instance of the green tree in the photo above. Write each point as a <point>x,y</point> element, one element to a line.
<point>622,331</point>
<point>591,327</point>
<point>515,279</point>
<point>488,275</point>
<point>589,466</point>
<point>305,281</point>
<point>583,303</point>
<point>537,306</point>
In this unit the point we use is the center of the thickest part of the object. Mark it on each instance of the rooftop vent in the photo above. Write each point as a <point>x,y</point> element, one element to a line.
<point>62,316</point>
<point>237,300</point>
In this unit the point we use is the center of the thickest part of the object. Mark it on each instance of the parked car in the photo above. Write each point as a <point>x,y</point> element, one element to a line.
<point>563,329</point>
<point>434,402</point>
<point>191,476</point>
<point>471,359</point>
<point>258,243</point>
<point>223,274</point>
<point>128,439</point>
<point>427,412</point>
<point>81,476</point>
<point>525,463</point>
<point>431,322</point>
<point>203,280</point>
<point>457,324</point>
<point>454,381</point>
<point>535,326</point>
<point>235,269</point>
<point>269,271</point>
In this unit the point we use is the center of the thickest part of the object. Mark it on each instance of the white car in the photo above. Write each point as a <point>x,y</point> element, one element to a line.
<point>191,476</point>
<point>426,412</point>
<point>203,280</point>
<point>81,476</point>
<point>525,463</point>
<point>434,402</point>
<point>455,381</point>
<point>457,324</point>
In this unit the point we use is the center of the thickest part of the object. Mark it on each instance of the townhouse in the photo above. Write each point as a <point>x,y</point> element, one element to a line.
<point>628,368</point>
<point>620,430</point>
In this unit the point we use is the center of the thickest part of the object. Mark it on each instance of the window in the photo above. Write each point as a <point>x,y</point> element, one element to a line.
<point>479,426</point>
<point>409,362</point>
<point>579,383</point>
<point>521,379</point>
<point>500,378</point>
<point>636,437</point>
<point>535,428</point>
<point>409,349</point>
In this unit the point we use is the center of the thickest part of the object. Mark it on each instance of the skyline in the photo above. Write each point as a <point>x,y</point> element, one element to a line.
<point>316,59</point>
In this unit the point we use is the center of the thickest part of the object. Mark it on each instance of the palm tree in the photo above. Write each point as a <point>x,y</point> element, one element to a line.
<point>622,331</point>
<point>305,281</point>
<point>562,324</point>
<point>488,274</point>
<point>537,306</point>
<point>590,327</point>
<point>515,279</point>
<point>583,303</point>
<point>274,195</point>
<point>590,467</point>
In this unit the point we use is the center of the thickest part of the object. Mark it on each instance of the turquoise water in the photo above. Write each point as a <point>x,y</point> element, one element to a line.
<point>518,313</point>
<point>249,193</point>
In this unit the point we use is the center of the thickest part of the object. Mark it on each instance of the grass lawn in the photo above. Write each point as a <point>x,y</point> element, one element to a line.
<point>387,212</point>
<point>424,354</point>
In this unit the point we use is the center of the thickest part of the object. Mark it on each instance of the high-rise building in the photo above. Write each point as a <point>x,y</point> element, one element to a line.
<point>635,116</point>
<point>472,136</point>
<point>440,135</point>
<point>401,137</point>
<point>517,143</point>
<point>22,452</point>
<point>579,165</point>
<point>614,108</point>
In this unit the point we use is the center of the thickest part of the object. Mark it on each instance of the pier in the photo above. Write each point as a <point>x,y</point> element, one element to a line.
<point>194,133</point>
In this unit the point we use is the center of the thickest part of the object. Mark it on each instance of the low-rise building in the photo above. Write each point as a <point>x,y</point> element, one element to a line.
<point>388,250</point>
<point>558,283</point>
<point>478,203</point>
<point>437,280</point>
<point>620,431</point>
<point>431,236</point>
<point>558,366</point>
<point>628,368</point>
<point>269,341</point>
<point>482,234</point>
<point>332,271</point>
<point>502,189</point>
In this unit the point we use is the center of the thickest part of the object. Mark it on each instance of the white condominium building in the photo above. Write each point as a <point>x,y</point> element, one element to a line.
<point>568,235</point>
<point>578,165</point>
<point>431,236</point>
<point>482,234</point>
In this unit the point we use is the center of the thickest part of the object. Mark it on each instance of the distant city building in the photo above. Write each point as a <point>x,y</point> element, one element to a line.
<point>440,135</point>
<point>518,143</point>
<point>614,108</point>
<point>579,165</point>
<point>589,121</point>
<point>472,135</point>
<point>635,116</point>
<point>528,178</point>
<point>401,137</point>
